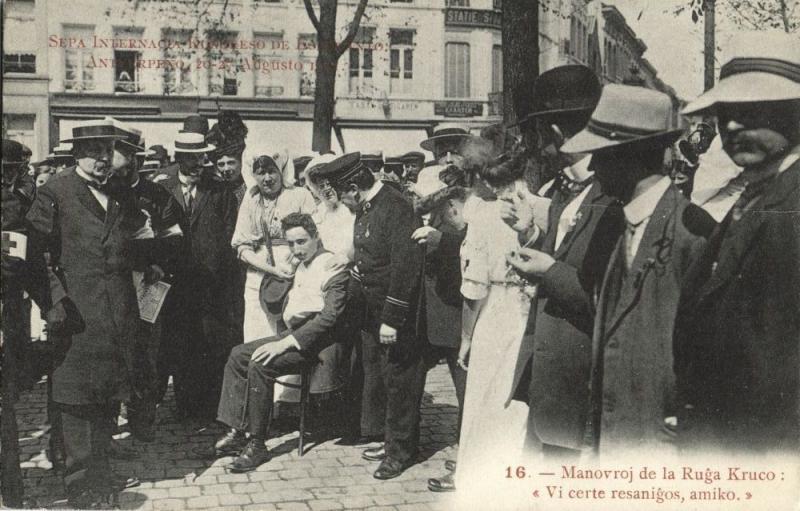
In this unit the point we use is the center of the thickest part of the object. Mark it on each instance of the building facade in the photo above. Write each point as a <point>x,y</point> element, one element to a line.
<point>413,64</point>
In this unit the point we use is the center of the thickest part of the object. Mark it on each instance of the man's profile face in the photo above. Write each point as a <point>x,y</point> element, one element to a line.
<point>229,168</point>
<point>302,245</point>
<point>122,160</point>
<point>613,177</point>
<point>94,157</point>
<point>754,133</point>
<point>350,197</point>
<point>191,164</point>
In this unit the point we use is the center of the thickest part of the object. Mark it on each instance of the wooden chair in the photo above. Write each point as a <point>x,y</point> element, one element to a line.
<point>305,392</point>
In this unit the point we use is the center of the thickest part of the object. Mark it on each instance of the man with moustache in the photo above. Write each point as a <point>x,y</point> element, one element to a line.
<point>737,340</point>
<point>86,232</point>
<point>157,246</point>
<point>386,283</point>
<point>633,385</point>
<point>554,364</point>
<point>198,330</point>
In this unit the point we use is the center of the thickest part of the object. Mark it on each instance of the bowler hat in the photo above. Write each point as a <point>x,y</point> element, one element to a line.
<point>186,142</point>
<point>13,152</point>
<point>446,132</point>
<point>564,89</point>
<point>95,129</point>
<point>762,67</point>
<point>626,115</point>
<point>195,124</point>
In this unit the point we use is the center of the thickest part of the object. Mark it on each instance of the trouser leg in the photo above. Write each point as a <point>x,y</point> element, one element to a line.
<point>459,377</point>
<point>142,405</point>
<point>373,397</point>
<point>232,408</point>
<point>87,433</point>
<point>404,379</point>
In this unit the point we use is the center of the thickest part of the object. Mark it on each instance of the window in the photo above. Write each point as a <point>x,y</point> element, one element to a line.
<point>401,1</point>
<point>180,71</point>
<point>497,68</point>
<point>307,45</point>
<point>361,61</point>
<point>225,64</point>
<point>126,69</point>
<point>401,61</point>
<point>269,83</point>
<point>19,63</point>
<point>79,61</point>
<point>457,3</point>
<point>20,127</point>
<point>456,76</point>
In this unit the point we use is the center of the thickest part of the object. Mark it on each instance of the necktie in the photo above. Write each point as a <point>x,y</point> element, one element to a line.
<point>188,200</point>
<point>630,249</point>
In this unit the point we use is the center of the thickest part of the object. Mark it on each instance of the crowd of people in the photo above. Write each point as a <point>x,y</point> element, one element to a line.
<point>594,308</point>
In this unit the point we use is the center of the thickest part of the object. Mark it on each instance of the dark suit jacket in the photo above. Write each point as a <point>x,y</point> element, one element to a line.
<point>558,341</point>
<point>737,341</point>
<point>443,298</point>
<point>90,246</point>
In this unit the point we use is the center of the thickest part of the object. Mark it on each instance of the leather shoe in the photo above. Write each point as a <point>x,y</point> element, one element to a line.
<point>120,482</point>
<point>254,455</point>
<point>374,453</point>
<point>230,444</point>
<point>389,469</point>
<point>442,484</point>
<point>450,465</point>
<point>359,440</point>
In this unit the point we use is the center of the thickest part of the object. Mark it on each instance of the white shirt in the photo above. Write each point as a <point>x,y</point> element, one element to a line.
<point>372,192</point>
<point>191,188</point>
<point>306,296</point>
<point>101,197</point>
<point>569,216</point>
<point>637,215</point>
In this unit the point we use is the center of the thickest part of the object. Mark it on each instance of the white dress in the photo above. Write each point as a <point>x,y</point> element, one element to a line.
<point>493,429</point>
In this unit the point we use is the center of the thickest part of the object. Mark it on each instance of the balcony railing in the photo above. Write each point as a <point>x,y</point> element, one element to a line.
<point>129,86</point>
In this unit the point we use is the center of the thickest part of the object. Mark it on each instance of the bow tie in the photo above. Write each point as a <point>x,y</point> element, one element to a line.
<point>569,187</point>
<point>100,187</point>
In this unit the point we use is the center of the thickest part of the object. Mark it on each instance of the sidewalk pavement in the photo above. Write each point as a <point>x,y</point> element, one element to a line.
<point>328,477</point>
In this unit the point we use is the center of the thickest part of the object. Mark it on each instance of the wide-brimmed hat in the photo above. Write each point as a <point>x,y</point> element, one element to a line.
<point>446,132</point>
<point>565,89</point>
<point>186,142</point>
<point>626,115</point>
<point>762,67</point>
<point>131,136</point>
<point>95,129</point>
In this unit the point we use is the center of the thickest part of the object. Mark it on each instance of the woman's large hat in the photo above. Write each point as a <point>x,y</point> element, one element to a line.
<point>762,67</point>
<point>626,115</point>
<point>96,129</point>
<point>446,132</point>
<point>564,89</point>
<point>186,142</point>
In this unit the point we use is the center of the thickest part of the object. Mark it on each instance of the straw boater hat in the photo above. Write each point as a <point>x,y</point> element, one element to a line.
<point>446,132</point>
<point>93,130</point>
<point>61,152</point>
<point>626,115</point>
<point>564,90</point>
<point>131,136</point>
<point>186,142</point>
<point>149,166</point>
<point>762,67</point>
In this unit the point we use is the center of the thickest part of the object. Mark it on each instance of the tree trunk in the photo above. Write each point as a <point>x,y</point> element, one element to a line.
<point>520,69</point>
<point>325,85</point>
<point>709,46</point>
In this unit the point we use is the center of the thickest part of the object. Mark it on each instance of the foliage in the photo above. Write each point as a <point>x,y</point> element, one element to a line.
<point>752,14</point>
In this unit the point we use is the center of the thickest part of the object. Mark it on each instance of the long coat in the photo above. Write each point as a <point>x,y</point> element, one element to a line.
<point>633,384</point>
<point>89,247</point>
<point>443,290</point>
<point>558,342</point>
<point>737,341</point>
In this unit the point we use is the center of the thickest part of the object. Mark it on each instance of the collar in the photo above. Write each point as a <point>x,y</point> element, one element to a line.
<point>641,207</point>
<point>579,171</point>
<point>136,183</point>
<point>321,250</point>
<point>372,192</point>
<point>86,177</point>
<point>184,181</point>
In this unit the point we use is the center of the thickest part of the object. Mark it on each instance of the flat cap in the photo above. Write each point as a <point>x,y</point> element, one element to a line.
<point>372,156</point>
<point>413,156</point>
<point>341,169</point>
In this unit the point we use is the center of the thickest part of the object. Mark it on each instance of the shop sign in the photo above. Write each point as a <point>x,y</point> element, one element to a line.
<point>458,108</point>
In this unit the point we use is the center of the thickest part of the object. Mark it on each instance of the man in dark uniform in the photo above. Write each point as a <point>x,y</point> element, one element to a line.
<point>158,246</point>
<point>21,273</point>
<point>86,231</point>
<point>387,279</point>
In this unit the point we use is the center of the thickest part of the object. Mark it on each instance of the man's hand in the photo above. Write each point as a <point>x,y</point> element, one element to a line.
<point>427,236</point>
<point>388,335</point>
<point>267,352</point>
<point>530,263</point>
<point>281,273</point>
<point>153,274</point>
<point>517,211</point>
<point>56,317</point>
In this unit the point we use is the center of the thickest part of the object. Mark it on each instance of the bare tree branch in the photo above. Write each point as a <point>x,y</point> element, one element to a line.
<point>351,33</point>
<point>311,14</point>
<point>784,15</point>
<point>744,17</point>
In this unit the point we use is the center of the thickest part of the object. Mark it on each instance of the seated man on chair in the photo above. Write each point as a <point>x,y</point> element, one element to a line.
<point>310,310</point>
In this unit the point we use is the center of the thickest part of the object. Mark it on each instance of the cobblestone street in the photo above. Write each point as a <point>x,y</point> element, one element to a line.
<point>329,476</point>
